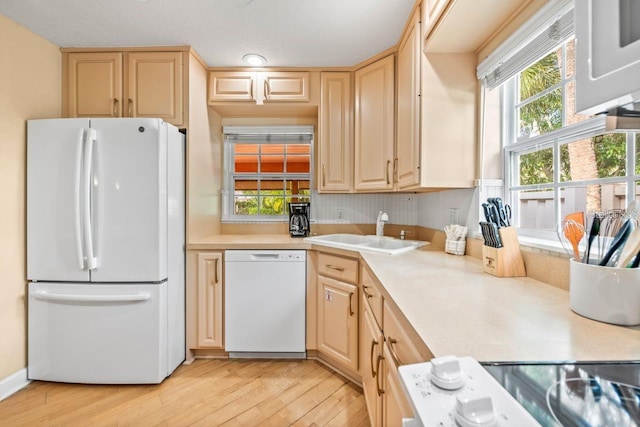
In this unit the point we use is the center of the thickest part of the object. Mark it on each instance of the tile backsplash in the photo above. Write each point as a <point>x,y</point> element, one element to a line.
<point>430,210</point>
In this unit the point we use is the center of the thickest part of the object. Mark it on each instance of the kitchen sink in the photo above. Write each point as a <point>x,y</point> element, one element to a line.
<point>359,242</point>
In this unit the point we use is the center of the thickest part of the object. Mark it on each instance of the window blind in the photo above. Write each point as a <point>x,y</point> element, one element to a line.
<point>268,134</point>
<point>551,25</point>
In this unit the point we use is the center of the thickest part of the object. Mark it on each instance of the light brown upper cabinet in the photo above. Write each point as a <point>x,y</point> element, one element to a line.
<point>374,125</point>
<point>407,160</point>
<point>258,87</point>
<point>335,150</point>
<point>123,84</point>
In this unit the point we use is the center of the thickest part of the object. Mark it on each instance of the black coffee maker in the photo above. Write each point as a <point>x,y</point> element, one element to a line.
<point>299,219</point>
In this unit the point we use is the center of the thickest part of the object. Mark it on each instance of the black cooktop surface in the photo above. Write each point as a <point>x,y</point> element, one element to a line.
<point>574,394</point>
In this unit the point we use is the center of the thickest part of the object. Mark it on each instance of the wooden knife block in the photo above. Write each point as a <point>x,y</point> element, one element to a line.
<point>507,260</point>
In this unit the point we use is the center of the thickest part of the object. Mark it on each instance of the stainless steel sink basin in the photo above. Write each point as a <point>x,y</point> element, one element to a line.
<point>358,242</point>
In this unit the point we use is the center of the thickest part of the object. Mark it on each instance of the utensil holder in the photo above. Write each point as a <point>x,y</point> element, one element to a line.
<point>455,247</point>
<point>505,261</point>
<point>606,294</point>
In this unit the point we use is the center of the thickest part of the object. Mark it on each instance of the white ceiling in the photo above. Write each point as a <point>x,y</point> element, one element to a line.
<point>289,33</point>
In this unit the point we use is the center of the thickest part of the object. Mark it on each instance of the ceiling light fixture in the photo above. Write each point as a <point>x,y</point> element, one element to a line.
<point>254,59</point>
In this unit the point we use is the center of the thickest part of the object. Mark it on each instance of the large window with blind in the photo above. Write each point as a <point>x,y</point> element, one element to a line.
<point>556,161</point>
<point>267,168</point>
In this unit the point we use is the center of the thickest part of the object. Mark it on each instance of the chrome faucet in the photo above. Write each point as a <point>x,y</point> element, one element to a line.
<point>382,218</point>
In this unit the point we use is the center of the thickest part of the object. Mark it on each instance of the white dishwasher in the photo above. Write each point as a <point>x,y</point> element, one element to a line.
<point>265,303</point>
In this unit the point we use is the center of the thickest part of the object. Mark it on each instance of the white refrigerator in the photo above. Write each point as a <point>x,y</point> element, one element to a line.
<point>105,250</point>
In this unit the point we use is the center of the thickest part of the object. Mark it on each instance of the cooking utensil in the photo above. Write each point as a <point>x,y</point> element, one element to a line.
<point>495,234</point>
<point>490,234</point>
<point>573,232</point>
<point>593,232</point>
<point>577,217</point>
<point>618,241</point>
<point>504,212</point>
<point>630,249</point>
<point>636,261</point>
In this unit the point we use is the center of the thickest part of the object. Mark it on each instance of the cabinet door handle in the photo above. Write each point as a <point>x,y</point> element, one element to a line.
<point>378,388</point>
<point>334,267</point>
<point>388,164</point>
<point>213,274</point>
<point>394,352</point>
<point>324,175</point>
<point>266,89</point>
<point>364,291</point>
<point>374,343</point>
<point>130,108</point>
<point>395,170</point>
<point>350,306</point>
<point>115,107</point>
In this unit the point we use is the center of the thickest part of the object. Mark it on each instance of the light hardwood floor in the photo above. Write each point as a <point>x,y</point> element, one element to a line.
<point>205,393</point>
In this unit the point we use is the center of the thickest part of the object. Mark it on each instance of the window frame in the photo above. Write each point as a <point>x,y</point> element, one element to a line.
<point>515,144</point>
<point>230,176</point>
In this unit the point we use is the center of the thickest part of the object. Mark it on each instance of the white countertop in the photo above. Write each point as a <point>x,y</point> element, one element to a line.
<point>458,309</point>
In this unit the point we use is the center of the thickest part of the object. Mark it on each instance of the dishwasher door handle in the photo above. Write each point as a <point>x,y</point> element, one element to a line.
<point>264,257</point>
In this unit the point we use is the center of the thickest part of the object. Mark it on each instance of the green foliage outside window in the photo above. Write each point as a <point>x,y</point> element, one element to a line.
<point>544,114</point>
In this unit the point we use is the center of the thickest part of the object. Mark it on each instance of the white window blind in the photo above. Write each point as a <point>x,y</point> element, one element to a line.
<point>552,24</point>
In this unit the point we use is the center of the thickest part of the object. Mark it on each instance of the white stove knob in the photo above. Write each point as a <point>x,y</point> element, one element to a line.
<point>446,372</point>
<point>475,411</point>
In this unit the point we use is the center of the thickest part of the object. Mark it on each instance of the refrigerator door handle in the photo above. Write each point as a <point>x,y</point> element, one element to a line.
<point>46,296</point>
<point>92,261</point>
<point>76,198</point>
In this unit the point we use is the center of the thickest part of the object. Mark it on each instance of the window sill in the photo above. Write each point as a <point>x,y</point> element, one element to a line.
<point>542,246</point>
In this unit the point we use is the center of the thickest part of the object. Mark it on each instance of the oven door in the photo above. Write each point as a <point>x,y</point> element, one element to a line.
<point>608,54</point>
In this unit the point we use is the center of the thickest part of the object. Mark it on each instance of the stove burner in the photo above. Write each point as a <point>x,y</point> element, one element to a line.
<point>575,394</point>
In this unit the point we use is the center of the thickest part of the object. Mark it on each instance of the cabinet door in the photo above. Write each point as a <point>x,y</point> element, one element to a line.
<point>370,360</point>
<point>374,126</point>
<point>154,86</point>
<point>93,85</point>
<point>407,166</point>
<point>232,86</point>
<point>210,300</point>
<point>336,133</point>
<point>338,321</point>
<point>395,405</point>
<point>286,86</point>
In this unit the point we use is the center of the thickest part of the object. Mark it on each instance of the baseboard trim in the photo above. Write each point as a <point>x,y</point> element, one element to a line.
<point>13,383</point>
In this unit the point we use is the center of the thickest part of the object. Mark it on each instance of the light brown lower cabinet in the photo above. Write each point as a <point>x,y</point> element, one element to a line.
<point>338,322</point>
<point>372,342</point>
<point>386,345</point>
<point>210,303</point>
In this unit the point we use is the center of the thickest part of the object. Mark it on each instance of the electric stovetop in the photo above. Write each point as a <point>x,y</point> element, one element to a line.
<point>574,394</point>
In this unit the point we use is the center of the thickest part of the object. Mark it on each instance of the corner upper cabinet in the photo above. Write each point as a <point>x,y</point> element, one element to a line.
<point>123,84</point>
<point>258,87</point>
<point>374,125</point>
<point>407,160</point>
<point>335,165</point>
<point>209,300</point>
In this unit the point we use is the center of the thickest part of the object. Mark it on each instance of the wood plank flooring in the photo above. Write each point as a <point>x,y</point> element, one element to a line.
<point>206,393</point>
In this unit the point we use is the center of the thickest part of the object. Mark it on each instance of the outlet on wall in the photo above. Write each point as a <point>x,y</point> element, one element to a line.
<point>340,213</point>
<point>453,215</point>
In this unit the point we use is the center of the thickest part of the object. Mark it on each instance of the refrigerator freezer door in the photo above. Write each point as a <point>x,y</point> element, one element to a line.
<point>129,200</point>
<point>101,334</point>
<point>54,173</point>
